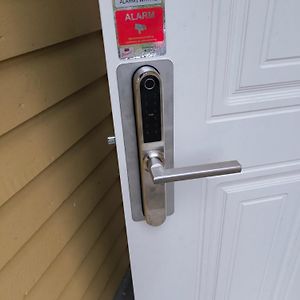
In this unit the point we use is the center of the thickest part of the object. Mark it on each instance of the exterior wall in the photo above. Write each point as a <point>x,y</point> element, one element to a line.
<point>62,230</point>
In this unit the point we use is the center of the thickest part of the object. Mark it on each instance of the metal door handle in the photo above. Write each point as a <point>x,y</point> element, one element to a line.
<point>161,175</point>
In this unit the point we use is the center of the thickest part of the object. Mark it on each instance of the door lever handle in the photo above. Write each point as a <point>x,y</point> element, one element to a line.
<point>160,174</point>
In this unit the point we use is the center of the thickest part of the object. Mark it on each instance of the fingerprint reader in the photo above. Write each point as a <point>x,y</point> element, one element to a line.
<point>149,84</point>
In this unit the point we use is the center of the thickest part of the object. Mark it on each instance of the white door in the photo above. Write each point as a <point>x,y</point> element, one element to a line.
<point>236,97</point>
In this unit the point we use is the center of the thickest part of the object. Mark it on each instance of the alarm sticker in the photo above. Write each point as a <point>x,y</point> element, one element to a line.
<point>140,28</point>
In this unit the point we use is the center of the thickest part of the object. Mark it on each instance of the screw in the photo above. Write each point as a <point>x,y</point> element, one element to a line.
<point>111,140</point>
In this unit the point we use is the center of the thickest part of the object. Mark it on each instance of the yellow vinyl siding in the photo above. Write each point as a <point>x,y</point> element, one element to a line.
<point>34,24</point>
<point>38,80</point>
<point>62,230</point>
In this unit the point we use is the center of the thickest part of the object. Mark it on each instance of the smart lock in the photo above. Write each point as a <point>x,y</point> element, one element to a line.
<point>146,100</point>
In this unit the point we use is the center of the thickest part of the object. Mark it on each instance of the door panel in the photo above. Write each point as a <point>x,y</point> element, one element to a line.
<point>283,35</point>
<point>252,226</point>
<point>254,56</point>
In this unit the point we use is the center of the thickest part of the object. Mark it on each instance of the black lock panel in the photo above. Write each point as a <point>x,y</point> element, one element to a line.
<point>151,109</point>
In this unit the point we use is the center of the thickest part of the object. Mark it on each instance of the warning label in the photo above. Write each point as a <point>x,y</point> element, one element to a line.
<point>140,26</point>
<point>132,3</point>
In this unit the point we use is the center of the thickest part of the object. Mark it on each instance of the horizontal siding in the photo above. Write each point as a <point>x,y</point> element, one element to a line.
<point>107,272</point>
<point>64,265</point>
<point>115,277</point>
<point>38,139</point>
<point>39,193</point>
<point>50,286</point>
<point>102,249</point>
<point>32,83</point>
<point>33,24</point>
<point>62,230</point>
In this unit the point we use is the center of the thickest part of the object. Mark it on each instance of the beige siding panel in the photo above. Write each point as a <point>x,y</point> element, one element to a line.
<point>116,278</point>
<point>21,274</point>
<point>68,261</point>
<point>106,271</point>
<point>48,191</point>
<point>33,24</point>
<point>62,229</point>
<point>113,233</point>
<point>32,147</point>
<point>102,249</point>
<point>31,83</point>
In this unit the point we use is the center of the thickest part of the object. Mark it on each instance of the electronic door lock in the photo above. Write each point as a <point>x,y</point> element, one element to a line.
<point>149,110</point>
<point>147,90</point>
<point>146,99</point>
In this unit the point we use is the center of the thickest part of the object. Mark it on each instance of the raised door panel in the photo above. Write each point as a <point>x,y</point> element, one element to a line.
<point>255,56</point>
<point>252,236</point>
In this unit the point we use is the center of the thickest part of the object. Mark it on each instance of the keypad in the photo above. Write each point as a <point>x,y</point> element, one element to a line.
<point>151,109</point>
